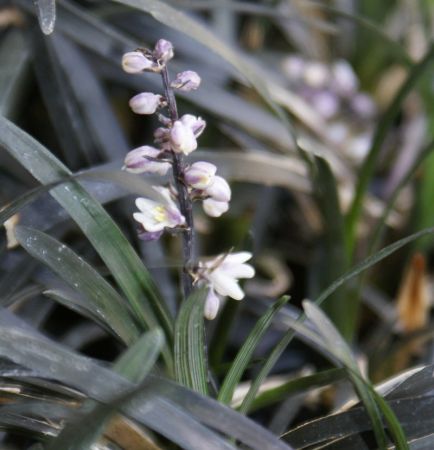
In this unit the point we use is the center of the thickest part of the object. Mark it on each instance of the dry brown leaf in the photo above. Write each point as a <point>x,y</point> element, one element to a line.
<point>413,297</point>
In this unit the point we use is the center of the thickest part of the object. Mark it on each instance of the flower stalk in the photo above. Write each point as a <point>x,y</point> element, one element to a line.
<point>185,203</point>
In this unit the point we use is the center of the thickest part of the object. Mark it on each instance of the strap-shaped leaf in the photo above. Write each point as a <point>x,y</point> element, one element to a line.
<point>105,302</point>
<point>110,243</point>
<point>190,359</point>
<point>245,353</point>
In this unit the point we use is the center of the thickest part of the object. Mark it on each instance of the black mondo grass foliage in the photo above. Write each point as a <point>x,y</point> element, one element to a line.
<point>292,141</point>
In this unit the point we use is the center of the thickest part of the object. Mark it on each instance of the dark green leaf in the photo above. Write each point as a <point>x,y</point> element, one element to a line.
<point>190,358</point>
<point>245,353</point>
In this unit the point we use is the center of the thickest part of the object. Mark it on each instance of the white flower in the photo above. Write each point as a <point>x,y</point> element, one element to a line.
<point>135,62</point>
<point>142,160</point>
<point>182,138</point>
<point>344,81</point>
<point>223,273</point>
<point>219,190</point>
<point>155,216</point>
<point>200,174</point>
<point>197,124</point>
<point>186,81</point>
<point>212,304</point>
<point>145,103</point>
<point>214,208</point>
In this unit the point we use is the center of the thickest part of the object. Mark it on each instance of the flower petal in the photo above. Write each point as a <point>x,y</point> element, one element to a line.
<point>225,284</point>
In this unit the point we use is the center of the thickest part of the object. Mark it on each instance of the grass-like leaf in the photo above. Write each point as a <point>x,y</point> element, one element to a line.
<point>110,243</point>
<point>134,364</point>
<point>190,358</point>
<point>372,401</point>
<point>332,262</point>
<point>275,395</point>
<point>161,405</point>
<point>104,300</point>
<point>46,15</point>
<point>245,353</point>
<point>368,167</point>
<point>289,335</point>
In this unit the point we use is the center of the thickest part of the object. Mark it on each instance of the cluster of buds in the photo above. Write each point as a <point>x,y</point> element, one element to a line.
<point>333,91</point>
<point>174,140</point>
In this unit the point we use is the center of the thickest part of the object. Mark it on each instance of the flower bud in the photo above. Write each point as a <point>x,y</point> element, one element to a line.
<point>145,103</point>
<point>326,103</point>
<point>200,174</point>
<point>163,51</point>
<point>344,81</point>
<point>219,190</point>
<point>197,124</point>
<point>212,304</point>
<point>186,81</point>
<point>142,160</point>
<point>214,208</point>
<point>316,74</point>
<point>135,62</point>
<point>182,138</point>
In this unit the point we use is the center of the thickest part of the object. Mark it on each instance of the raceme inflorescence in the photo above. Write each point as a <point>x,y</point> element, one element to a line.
<point>171,209</point>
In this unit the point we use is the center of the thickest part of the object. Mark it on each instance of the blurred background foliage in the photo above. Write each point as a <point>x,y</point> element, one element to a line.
<point>320,114</point>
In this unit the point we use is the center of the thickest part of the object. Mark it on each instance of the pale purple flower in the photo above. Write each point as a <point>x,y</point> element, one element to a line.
<point>200,174</point>
<point>155,216</point>
<point>142,160</point>
<point>212,304</point>
<point>223,273</point>
<point>219,190</point>
<point>186,81</point>
<point>197,124</point>
<point>163,51</point>
<point>294,66</point>
<point>213,208</point>
<point>344,79</point>
<point>326,103</point>
<point>135,62</point>
<point>145,103</point>
<point>182,138</point>
<point>316,74</point>
<point>363,105</point>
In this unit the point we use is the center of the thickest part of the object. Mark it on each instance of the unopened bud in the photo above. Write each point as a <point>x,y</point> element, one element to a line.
<point>212,304</point>
<point>143,160</point>
<point>182,138</point>
<point>145,103</point>
<point>186,81</point>
<point>200,174</point>
<point>214,208</point>
<point>135,62</point>
<point>219,190</point>
<point>197,124</point>
<point>163,51</point>
<point>345,81</point>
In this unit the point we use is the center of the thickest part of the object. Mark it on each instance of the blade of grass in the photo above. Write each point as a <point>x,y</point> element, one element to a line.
<point>134,364</point>
<point>379,227</point>
<point>245,353</point>
<point>105,301</point>
<point>46,15</point>
<point>332,261</point>
<point>289,335</point>
<point>372,401</point>
<point>114,249</point>
<point>300,384</point>
<point>368,167</point>
<point>190,358</point>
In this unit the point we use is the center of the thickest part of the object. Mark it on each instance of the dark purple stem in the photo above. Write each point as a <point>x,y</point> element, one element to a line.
<point>185,203</point>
